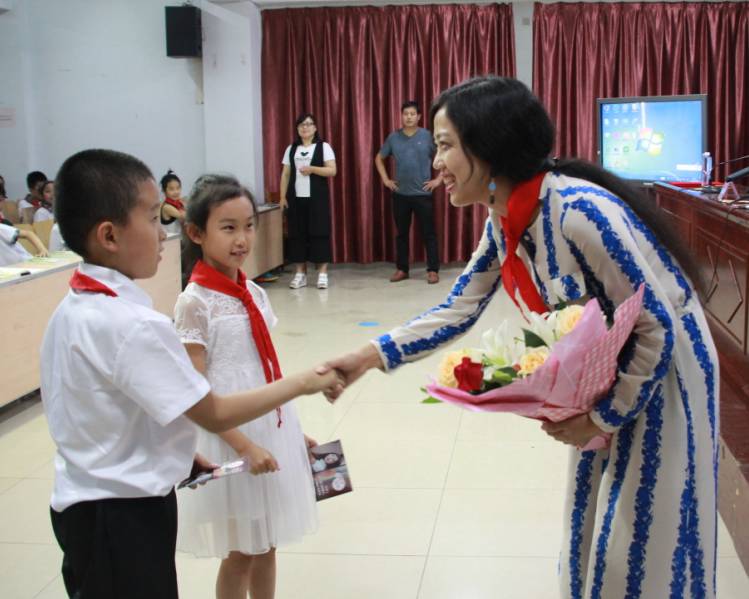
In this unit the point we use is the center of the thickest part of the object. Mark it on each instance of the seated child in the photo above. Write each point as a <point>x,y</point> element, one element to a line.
<point>122,394</point>
<point>28,205</point>
<point>11,251</point>
<point>47,193</point>
<point>173,208</point>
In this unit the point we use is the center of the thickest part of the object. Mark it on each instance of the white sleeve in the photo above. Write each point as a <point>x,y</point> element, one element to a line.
<point>153,369</point>
<point>56,242</point>
<point>444,323</point>
<point>286,158</point>
<point>327,152</point>
<point>191,319</point>
<point>8,234</point>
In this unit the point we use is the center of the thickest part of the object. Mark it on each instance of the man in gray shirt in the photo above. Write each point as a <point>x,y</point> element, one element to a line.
<point>412,149</point>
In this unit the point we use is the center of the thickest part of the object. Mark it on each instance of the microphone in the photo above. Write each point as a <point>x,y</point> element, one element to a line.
<point>738,174</point>
<point>732,160</point>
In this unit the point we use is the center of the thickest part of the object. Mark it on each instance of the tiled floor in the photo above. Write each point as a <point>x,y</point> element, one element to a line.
<point>448,504</point>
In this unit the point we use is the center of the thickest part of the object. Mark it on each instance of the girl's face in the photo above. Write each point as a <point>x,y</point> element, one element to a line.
<point>466,183</point>
<point>48,193</point>
<point>229,235</point>
<point>173,190</point>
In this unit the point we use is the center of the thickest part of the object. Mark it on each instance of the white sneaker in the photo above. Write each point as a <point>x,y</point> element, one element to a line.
<point>322,280</point>
<point>299,280</point>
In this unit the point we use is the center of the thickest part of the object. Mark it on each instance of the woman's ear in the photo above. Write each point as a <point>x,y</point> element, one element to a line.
<point>194,233</point>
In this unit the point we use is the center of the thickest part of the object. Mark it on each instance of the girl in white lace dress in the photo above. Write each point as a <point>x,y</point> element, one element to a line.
<point>223,320</point>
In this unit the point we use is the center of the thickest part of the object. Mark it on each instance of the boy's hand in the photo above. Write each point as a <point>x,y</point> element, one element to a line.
<point>43,254</point>
<point>261,460</point>
<point>577,431</point>
<point>200,464</point>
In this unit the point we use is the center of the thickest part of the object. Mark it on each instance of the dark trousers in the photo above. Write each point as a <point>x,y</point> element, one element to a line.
<point>423,207</point>
<point>119,548</point>
<point>309,231</point>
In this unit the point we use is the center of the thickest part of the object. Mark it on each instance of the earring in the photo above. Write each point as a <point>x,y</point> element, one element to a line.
<point>492,189</point>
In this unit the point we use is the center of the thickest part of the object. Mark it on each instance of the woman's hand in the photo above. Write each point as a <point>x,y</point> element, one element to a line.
<point>577,431</point>
<point>307,170</point>
<point>309,442</point>
<point>352,366</point>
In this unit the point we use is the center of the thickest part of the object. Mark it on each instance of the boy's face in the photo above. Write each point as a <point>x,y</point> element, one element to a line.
<point>36,190</point>
<point>139,241</point>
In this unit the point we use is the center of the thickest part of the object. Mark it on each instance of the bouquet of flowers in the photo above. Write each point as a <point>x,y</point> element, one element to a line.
<point>566,361</point>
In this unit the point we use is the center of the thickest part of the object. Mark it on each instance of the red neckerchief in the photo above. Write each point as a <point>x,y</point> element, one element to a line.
<point>178,204</point>
<point>208,277</point>
<point>520,208</point>
<point>81,282</point>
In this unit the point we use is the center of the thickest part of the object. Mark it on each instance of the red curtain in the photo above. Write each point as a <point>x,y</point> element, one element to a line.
<point>352,68</point>
<point>585,51</point>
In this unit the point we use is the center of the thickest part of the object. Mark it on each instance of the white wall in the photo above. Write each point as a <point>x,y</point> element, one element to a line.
<point>233,111</point>
<point>98,76</point>
<point>14,81</point>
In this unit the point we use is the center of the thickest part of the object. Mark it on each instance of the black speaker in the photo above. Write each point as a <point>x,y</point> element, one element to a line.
<point>184,37</point>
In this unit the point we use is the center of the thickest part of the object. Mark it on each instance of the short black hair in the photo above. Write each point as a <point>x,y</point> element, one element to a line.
<point>411,104</point>
<point>168,178</point>
<point>94,186</point>
<point>34,178</point>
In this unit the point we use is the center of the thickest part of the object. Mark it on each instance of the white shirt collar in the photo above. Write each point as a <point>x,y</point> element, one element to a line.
<point>122,285</point>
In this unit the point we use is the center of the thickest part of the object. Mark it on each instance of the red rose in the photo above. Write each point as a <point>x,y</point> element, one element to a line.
<point>470,376</point>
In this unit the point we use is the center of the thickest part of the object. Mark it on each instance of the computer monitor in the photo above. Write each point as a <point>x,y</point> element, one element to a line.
<point>653,138</point>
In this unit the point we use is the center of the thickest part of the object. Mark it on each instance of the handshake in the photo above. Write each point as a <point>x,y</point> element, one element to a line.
<point>332,377</point>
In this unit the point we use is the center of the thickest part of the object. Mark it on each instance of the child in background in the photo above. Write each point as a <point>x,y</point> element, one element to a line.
<point>47,198</point>
<point>11,251</point>
<point>28,205</point>
<point>223,320</point>
<point>173,208</point>
<point>121,387</point>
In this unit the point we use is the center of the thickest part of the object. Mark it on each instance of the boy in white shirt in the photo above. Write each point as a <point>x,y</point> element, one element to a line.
<point>119,390</point>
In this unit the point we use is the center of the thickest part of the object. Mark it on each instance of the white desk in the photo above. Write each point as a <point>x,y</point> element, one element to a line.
<point>27,303</point>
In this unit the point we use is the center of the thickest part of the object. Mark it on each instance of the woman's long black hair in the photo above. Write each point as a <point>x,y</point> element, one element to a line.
<point>503,124</point>
<point>209,190</point>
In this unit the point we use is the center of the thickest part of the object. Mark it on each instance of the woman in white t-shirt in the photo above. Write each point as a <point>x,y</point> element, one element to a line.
<point>304,191</point>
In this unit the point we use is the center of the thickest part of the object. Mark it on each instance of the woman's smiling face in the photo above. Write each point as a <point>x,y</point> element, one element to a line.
<point>466,180</point>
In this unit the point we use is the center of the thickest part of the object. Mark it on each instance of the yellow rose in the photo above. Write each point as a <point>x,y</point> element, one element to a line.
<point>446,376</point>
<point>567,319</point>
<point>531,360</point>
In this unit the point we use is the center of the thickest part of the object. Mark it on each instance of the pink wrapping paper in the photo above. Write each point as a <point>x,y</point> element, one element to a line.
<point>579,370</point>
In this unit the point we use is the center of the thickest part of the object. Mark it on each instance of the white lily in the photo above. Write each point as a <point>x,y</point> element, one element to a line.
<point>501,347</point>
<point>543,325</point>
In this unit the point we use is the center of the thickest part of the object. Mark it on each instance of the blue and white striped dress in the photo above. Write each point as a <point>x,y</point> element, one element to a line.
<point>641,516</point>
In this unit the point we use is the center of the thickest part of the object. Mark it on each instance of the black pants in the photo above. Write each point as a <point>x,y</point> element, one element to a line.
<point>119,548</point>
<point>309,231</point>
<point>423,207</point>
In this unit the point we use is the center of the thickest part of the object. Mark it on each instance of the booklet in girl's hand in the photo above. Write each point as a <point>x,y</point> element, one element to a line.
<point>329,471</point>
<point>200,477</point>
